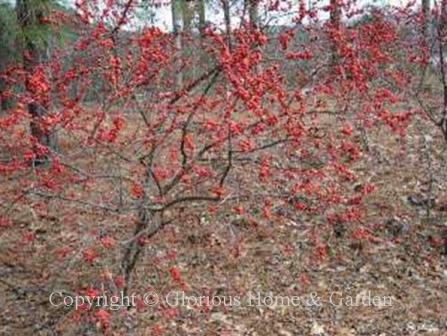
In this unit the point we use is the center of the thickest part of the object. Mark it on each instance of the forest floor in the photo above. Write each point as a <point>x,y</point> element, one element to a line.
<point>405,262</point>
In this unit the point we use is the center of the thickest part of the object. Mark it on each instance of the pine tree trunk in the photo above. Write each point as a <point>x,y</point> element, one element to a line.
<point>3,88</point>
<point>29,15</point>
<point>4,101</point>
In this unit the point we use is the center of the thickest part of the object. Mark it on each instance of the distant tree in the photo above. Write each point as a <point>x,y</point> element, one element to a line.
<point>426,15</point>
<point>188,10</point>
<point>31,17</point>
<point>335,19</point>
<point>253,12</point>
<point>8,50</point>
<point>177,27</point>
<point>227,19</point>
<point>200,7</point>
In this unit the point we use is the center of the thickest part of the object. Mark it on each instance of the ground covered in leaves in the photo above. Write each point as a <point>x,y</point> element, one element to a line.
<point>230,256</point>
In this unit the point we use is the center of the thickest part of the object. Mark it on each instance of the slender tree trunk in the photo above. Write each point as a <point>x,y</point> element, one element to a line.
<point>188,12</point>
<point>335,19</point>
<point>335,13</point>
<point>4,58</point>
<point>3,88</point>
<point>441,31</point>
<point>29,14</point>
<point>200,7</point>
<point>177,24</point>
<point>253,12</point>
<point>203,57</point>
<point>227,18</point>
<point>426,17</point>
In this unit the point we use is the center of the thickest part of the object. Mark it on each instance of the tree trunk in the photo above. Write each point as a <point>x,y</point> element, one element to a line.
<point>177,26</point>
<point>202,18</point>
<point>253,12</point>
<point>335,19</point>
<point>227,18</point>
<point>188,12</point>
<point>3,88</point>
<point>4,58</point>
<point>335,13</point>
<point>29,14</point>
<point>426,17</point>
